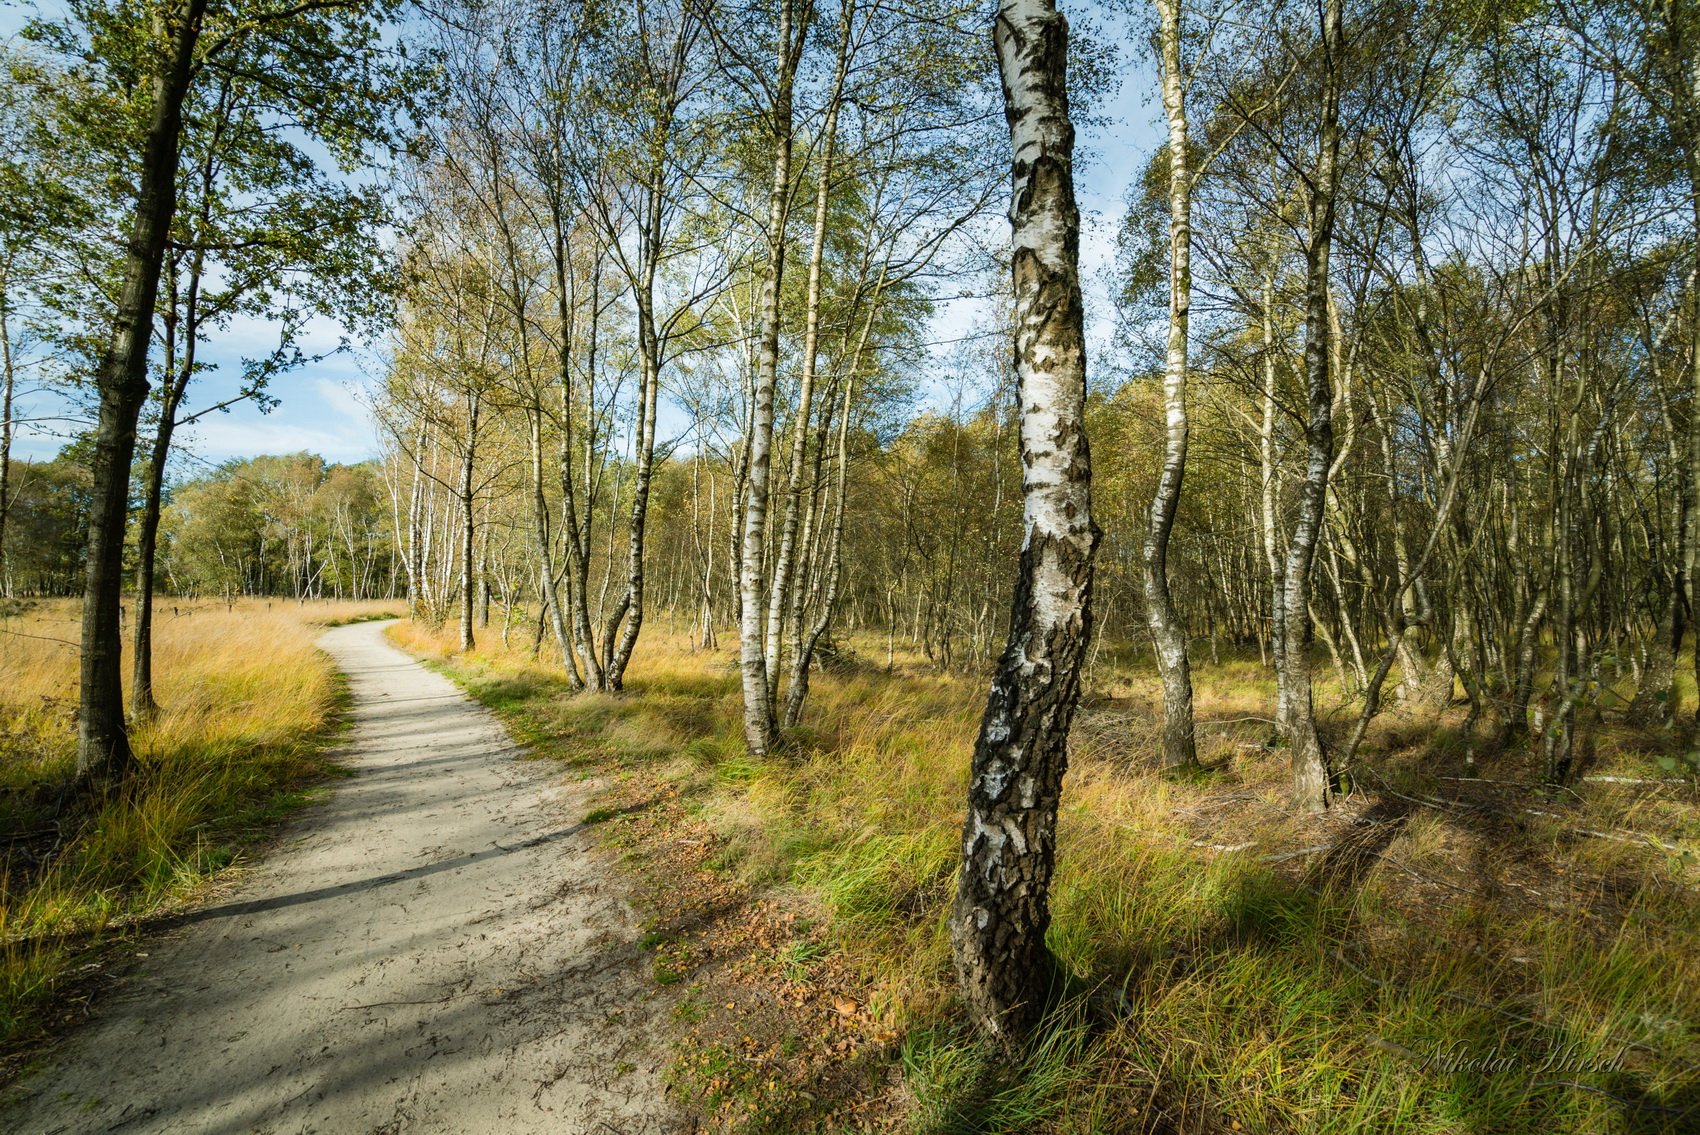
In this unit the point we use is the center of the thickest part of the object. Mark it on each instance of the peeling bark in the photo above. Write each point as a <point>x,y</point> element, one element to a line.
<point>998,922</point>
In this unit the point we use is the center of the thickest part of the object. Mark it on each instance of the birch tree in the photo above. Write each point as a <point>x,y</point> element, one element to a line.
<point>1166,633</point>
<point>1295,710</point>
<point>998,921</point>
<point>760,724</point>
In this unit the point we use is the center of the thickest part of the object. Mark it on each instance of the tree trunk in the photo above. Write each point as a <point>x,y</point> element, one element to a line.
<point>998,922</point>
<point>1294,708</point>
<point>577,528</point>
<point>785,560</point>
<point>759,726</point>
<point>1168,641</point>
<point>1692,561</point>
<point>630,609</point>
<point>1268,497</point>
<point>548,582</point>
<point>142,702</point>
<point>804,652</point>
<point>8,384</point>
<point>1655,693</point>
<point>469,525</point>
<point>104,756</point>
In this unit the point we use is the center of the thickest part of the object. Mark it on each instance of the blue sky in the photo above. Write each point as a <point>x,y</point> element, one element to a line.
<point>321,406</point>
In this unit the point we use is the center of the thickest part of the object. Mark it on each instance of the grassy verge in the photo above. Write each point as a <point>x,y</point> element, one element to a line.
<point>248,708</point>
<point>1443,953</point>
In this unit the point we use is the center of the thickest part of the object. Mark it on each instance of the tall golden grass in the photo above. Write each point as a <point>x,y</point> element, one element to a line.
<point>1439,967</point>
<point>246,703</point>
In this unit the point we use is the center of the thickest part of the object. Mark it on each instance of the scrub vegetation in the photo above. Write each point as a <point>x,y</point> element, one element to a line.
<point>1440,954</point>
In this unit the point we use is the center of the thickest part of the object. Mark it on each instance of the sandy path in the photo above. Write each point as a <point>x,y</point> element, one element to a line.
<point>432,950</point>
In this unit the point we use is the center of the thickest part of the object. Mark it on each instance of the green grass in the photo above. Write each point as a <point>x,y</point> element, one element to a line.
<point>1427,988</point>
<point>360,617</point>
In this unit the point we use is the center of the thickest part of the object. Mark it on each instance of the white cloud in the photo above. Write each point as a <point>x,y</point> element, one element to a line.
<point>321,415</point>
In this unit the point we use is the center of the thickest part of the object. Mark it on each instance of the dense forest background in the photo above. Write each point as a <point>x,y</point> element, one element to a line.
<point>578,348</point>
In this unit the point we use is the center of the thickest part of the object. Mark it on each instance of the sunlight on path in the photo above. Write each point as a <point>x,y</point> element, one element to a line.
<point>431,950</point>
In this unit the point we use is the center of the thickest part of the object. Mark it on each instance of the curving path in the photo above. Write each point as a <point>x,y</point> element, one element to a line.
<point>433,950</point>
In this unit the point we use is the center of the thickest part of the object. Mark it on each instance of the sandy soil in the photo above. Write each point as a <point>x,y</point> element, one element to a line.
<point>437,948</point>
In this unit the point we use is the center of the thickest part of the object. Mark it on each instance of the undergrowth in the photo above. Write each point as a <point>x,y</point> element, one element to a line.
<point>1415,962</point>
<point>247,708</point>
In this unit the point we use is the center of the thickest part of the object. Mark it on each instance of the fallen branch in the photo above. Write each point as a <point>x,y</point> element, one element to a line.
<point>1620,836</point>
<point>1638,779</point>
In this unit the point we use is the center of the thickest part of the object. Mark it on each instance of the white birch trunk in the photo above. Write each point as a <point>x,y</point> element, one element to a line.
<point>998,922</point>
<point>1169,641</point>
<point>759,726</point>
<point>1295,710</point>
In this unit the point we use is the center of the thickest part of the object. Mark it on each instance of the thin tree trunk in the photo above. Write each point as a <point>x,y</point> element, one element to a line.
<point>577,528</point>
<point>1655,693</point>
<point>630,609</point>
<point>1295,710</point>
<point>785,559</point>
<point>804,653</point>
<point>178,375</point>
<point>1168,641</point>
<point>8,386</point>
<point>469,525</point>
<point>104,756</point>
<point>142,702</point>
<point>1399,611</point>
<point>548,580</point>
<point>1001,912</point>
<point>1269,488</point>
<point>1692,561</point>
<point>759,726</point>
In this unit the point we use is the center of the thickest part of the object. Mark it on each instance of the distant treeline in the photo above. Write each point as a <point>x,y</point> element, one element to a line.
<point>293,525</point>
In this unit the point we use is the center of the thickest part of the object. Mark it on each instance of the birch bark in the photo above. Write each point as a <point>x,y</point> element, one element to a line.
<point>998,922</point>
<point>1168,640</point>
<point>1295,711</point>
<point>760,730</point>
<point>785,561</point>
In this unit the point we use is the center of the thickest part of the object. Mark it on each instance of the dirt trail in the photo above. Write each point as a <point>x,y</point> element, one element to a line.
<point>434,949</point>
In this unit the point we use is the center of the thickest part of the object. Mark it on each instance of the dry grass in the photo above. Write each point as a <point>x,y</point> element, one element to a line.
<point>246,704</point>
<point>1436,955</point>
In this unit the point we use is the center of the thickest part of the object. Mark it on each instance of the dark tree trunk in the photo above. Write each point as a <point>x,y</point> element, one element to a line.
<point>469,526</point>
<point>104,756</point>
<point>142,702</point>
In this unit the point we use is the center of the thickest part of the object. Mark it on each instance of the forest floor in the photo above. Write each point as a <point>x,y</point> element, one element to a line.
<point>1450,950</point>
<point>436,947</point>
